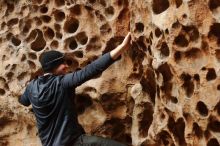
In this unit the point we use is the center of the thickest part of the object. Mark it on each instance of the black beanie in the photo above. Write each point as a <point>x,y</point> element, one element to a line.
<point>51,59</point>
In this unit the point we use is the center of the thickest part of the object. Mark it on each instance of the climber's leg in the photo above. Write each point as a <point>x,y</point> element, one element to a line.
<point>86,140</point>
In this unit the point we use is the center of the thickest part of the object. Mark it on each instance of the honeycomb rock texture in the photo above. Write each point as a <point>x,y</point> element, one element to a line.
<point>163,91</point>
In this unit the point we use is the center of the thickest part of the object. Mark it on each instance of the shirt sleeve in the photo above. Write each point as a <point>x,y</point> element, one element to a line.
<point>75,79</point>
<point>24,99</point>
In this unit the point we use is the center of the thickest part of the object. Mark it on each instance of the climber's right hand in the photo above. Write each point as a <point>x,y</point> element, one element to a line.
<point>122,47</point>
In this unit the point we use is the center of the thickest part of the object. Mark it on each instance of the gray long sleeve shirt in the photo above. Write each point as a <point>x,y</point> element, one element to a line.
<point>52,98</point>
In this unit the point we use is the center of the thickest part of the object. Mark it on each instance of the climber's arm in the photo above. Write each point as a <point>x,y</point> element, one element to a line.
<point>121,48</point>
<point>75,79</point>
<point>24,100</point>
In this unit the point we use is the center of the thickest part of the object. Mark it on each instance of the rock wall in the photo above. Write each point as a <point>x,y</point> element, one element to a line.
<point>164,91</point>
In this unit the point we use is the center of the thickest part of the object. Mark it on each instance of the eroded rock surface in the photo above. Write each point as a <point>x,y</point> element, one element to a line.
<point>164,90</point>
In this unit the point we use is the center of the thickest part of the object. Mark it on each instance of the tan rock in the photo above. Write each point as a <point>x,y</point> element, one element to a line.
<point>164,91</point>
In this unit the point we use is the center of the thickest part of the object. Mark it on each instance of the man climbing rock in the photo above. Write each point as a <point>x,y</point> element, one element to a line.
<point>51,98</point>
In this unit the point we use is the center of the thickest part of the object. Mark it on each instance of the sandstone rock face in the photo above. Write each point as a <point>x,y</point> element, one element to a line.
<point>164,90</point>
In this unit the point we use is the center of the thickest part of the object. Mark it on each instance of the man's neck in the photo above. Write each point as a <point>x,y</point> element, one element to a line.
<point>45,74</point>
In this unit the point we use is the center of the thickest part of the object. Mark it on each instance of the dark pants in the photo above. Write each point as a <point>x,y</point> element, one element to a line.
<point>87,140</point>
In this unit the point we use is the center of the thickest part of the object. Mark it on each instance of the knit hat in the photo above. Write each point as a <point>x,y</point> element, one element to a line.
<point>51,59</point>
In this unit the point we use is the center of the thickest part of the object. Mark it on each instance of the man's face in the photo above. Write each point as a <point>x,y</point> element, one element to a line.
<point>61,69</point>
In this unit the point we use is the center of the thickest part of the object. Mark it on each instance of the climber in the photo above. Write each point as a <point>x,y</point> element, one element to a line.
<point>52,98</point>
